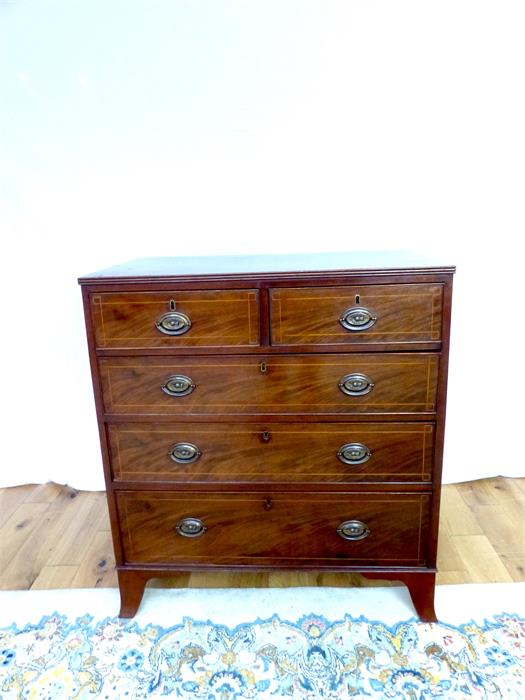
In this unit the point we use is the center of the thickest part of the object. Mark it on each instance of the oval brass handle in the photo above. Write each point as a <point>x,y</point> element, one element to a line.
<point>190,527</point>
<point>357,318</point>
<point>178,385</point>
<point>353,530</point>
<point>354,453</point>
<point>173,323</point>
<point>185,453</point>
<point>356,384</point>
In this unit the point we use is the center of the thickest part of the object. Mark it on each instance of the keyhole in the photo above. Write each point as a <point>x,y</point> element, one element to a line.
<point>266,436</point>
<point>263,367</point>
<point>268,503</point>
<point>357,298</point>
<point>172,304</point>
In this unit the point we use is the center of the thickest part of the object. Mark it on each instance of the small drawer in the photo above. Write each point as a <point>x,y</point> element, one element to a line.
<point>271,452</point>
<point>369,314</point>
<point>181,319</point>
<point>274,529</point>
<point>375,383</point>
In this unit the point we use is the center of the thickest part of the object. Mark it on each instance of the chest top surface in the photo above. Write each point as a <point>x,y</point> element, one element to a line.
<point>267,266</point>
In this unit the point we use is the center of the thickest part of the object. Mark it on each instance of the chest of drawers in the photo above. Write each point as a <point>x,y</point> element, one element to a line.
<point>272,412</point>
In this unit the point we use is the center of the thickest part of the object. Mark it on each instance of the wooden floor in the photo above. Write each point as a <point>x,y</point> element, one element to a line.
<point>55,537</point>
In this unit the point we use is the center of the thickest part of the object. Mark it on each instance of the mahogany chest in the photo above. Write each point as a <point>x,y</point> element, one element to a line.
<point>272,412</point>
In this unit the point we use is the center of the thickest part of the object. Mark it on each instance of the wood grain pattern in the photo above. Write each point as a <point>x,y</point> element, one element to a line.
<point>227,318</point>
<point>50,529</point>
<point>271,452</point>
<point>406,313</point>
<point>53,577</point>
<point>282,529</point>
<point>404,383</point>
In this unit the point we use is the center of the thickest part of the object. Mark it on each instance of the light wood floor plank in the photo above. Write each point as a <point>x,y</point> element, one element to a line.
<point>215,579</point>
<point>449,559</point>
<point>479,493</point>
<point>480,559</point>
<point>331,578</point>
<point>456,516</point>
<point>508,489</point>
<point>97,568</point>
<point>247,580</point>
<point>27,518</point>
<point>75,540</point>
<point>34,553</point>
<point>55,577</point>
<point>10,499</point>
<point>509,536</point>
<point>448,577</point>
<point>180,580</point>
<point>47,493</point>
<point>518,485</point>
<point>515,565</point>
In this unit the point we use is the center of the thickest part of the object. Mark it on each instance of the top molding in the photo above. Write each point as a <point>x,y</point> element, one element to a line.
<point>265,266</point>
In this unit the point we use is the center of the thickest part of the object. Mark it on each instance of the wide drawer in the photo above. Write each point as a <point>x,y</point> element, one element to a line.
<point>271,452</point>
<point>389,313</point>
<point>178,319</point>
<point>291,384</point>
<point>274,529</point>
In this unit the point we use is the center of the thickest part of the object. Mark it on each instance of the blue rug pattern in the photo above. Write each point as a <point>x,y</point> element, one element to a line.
<point>272,658</point>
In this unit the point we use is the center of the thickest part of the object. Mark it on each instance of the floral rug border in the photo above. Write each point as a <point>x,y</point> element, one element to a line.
<point>314,657</point>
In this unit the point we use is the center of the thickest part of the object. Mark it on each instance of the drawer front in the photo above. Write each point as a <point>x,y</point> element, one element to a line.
<point>280,528</point>
<point>270,453</point>
<point>292,384</point>
<point>390,313</point>
<point>176,319</point>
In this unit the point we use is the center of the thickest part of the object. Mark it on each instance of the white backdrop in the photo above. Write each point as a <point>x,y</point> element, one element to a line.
<point>138,128</point>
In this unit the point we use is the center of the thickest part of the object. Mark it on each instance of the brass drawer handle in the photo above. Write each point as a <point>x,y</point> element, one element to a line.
<point>173,323</point>
<point>185,453</point>
<point>190,527</point>
<point>356,384</point>
<point>357,318</point>
<point>353,530</point>
<point>354,453</point>
<point>178,385</point>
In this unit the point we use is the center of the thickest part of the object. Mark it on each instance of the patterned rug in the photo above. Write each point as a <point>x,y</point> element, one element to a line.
<point>307,643</point>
